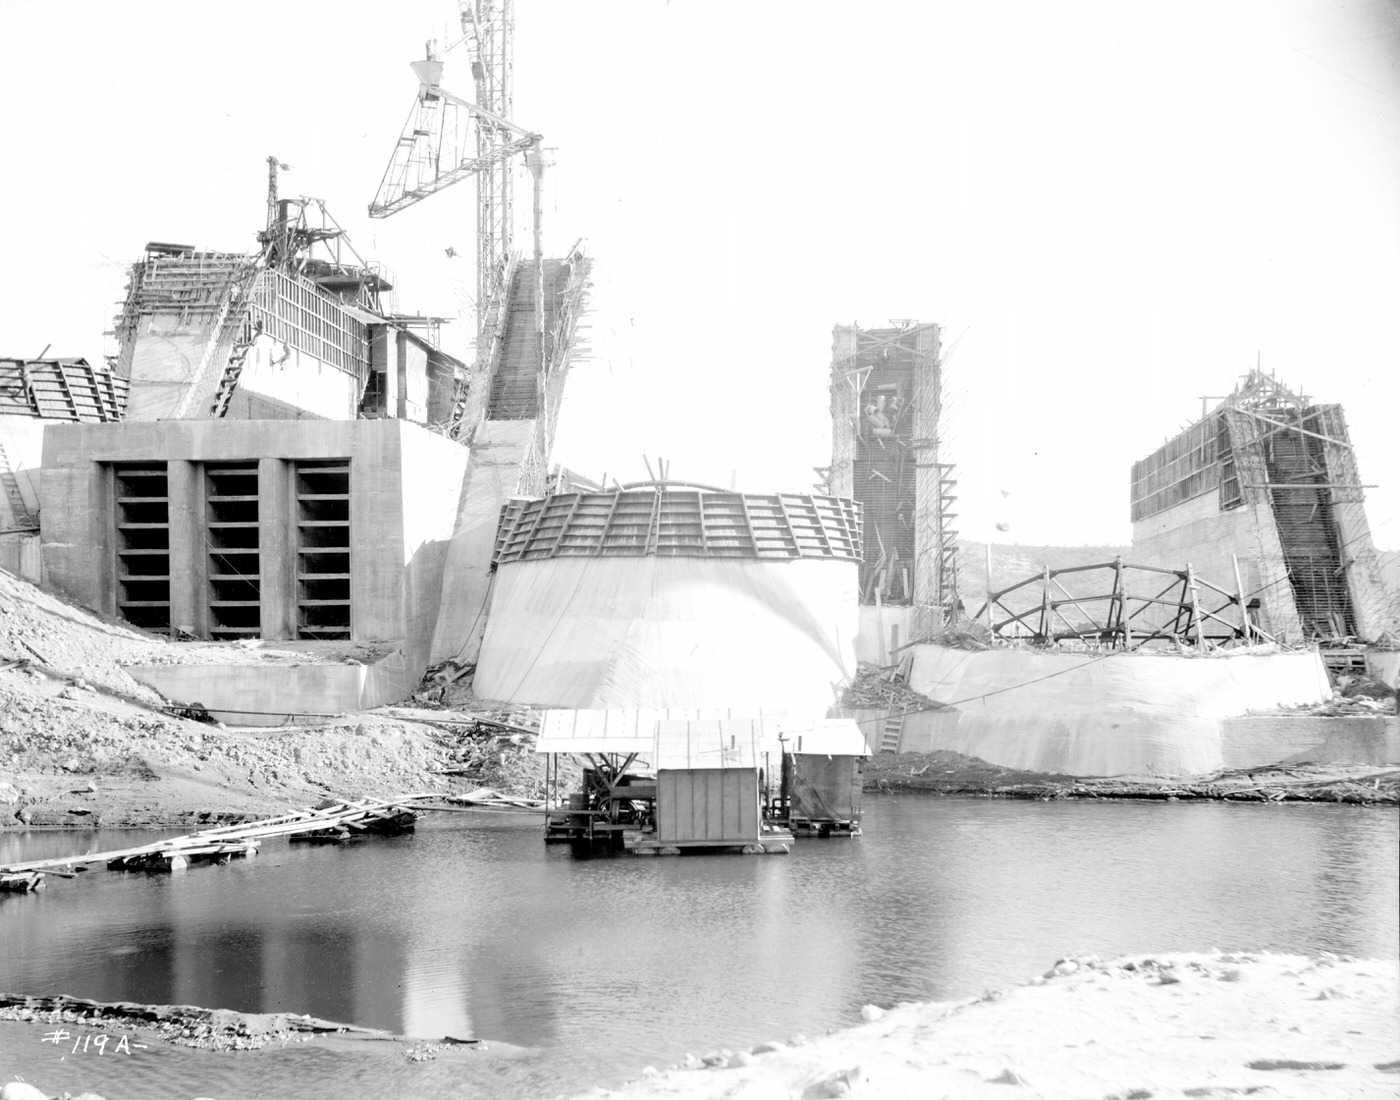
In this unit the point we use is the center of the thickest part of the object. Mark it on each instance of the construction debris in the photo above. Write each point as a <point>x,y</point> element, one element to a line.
<point>946,772</point>
<point>884,688</point>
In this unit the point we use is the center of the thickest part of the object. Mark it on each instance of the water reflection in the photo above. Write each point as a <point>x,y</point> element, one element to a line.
<point>472,928</point>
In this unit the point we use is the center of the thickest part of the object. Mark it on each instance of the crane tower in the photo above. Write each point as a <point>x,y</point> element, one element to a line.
<point>446,139</point>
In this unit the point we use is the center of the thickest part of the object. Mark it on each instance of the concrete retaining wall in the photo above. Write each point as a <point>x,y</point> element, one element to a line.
<point>1096,714</point>
<point>405,483</point>
<point>1297,738</point>
<point>19,554</point>
<point>269,695</point>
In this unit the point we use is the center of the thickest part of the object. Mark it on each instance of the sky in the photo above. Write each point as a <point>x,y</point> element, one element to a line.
<point>1113,208</point>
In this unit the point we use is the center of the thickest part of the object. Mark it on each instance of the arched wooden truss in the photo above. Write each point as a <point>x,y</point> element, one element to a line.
<point>1188,608</point>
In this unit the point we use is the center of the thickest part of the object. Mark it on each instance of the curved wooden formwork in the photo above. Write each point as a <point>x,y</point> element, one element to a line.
<point>1123,606</point>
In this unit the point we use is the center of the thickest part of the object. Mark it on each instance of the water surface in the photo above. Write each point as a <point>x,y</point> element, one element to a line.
<point>473,928</point>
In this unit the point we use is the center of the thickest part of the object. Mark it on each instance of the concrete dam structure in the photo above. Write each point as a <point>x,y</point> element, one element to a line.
<point>1267,484</point>
<point>666,596</point>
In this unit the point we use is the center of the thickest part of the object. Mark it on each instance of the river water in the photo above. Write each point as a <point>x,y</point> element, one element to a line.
<point>473,928</point>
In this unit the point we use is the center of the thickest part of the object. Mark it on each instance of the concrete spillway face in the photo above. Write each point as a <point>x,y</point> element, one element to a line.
<point>670,632</point>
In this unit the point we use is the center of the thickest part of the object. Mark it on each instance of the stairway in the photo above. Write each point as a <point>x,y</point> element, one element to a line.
<point>20,515</point>
<point>1308,536</point>
<point>893,731</point>
<point>515,384</point>
<point>239,308</point>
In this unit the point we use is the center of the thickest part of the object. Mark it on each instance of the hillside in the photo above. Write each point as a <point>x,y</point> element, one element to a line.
<point>82,743</point>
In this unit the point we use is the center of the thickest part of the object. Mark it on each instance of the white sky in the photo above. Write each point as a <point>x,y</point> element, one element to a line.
<point>1112,207</point>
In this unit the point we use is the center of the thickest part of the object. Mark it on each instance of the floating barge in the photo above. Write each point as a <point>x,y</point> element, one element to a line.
<point>668,782</point>
<point>823,779</point>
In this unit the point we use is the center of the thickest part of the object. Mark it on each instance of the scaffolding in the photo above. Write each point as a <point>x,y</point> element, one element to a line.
<point>1111,608</point>
<point>1287,464</point>
<point>673,519</point>
<point>886,399</point>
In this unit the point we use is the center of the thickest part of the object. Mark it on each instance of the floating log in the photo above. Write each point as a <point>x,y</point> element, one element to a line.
<point>484,798</point>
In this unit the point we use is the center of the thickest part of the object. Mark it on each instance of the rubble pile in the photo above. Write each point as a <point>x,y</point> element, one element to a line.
<point>885,689</point>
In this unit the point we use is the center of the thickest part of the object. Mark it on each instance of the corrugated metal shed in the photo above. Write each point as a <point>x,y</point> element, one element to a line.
<point>707,782</point>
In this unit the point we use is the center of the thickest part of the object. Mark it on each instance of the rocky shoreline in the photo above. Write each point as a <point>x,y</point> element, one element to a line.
<point>949,773</point>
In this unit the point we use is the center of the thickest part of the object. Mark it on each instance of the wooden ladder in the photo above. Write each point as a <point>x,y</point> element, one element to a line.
<point>893,731</point>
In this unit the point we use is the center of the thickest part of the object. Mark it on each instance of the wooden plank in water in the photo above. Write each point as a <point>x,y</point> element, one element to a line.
<point>308,820</point>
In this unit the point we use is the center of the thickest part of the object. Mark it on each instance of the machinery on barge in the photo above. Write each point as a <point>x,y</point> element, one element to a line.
<point>667,782</point>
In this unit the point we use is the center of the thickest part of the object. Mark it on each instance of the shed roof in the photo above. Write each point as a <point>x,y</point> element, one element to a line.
<point>691,745</point>
<point>612,731</point>
<point>629,731</point>
<point>698,738</point>
<point>825,737</point>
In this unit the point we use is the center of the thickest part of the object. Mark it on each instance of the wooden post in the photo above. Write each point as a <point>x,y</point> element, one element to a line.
<point>1045,603</point>
<point>1245,624</point>
<point>989,586</point>
<point>1194,597</point>
<point>1121,600</point>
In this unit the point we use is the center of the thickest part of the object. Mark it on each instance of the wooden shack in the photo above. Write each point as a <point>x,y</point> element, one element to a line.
<point>656,781</point>
<point>823,777</point>
<point>709,780</point>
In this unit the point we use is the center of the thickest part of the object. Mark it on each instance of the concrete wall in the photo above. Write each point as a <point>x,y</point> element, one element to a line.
<point>1245,741</point>
<point>1198,532</point>
<point>164,362</point>
<point>279,382</point>
<point>1373,606</point>
<point>1085,714</point>
<point>434,472</point>
<point>269,695</point>
<point>498,450</point>
<point>883,629</point>
<point>413,380</point>
<point>674,632</point>
<point>395,569</point>
<point>20,555</point>
<point>22,437</point>
<point>1293,738</point>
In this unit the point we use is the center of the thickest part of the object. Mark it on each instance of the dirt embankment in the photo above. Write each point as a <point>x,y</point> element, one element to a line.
<point>83,744</point>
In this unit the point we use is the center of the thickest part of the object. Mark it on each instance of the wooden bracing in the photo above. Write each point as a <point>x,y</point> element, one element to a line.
<point>1187,609</point>
<point>671,519</point>
<point>886,399</point>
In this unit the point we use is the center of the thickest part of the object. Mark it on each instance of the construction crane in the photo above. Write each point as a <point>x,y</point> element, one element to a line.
<point>447,139</point>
